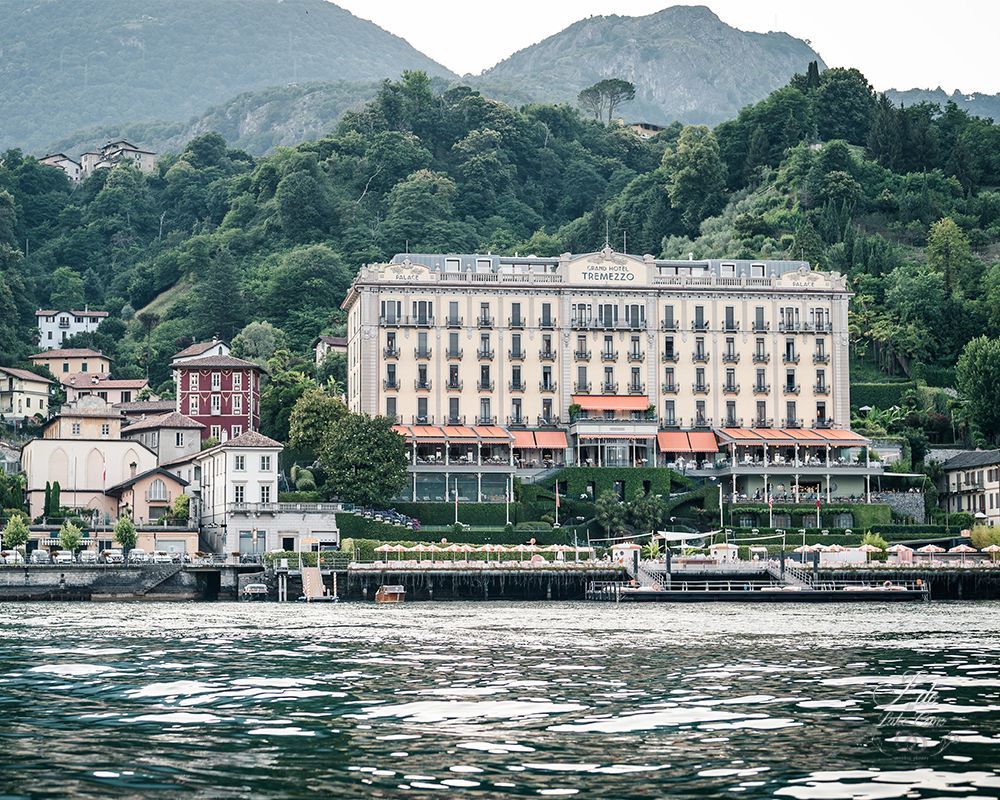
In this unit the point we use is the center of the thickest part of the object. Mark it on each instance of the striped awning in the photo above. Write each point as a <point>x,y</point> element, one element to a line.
<point>687,442</point>
<point>468,434</point>
<point>814,437</point>
<point>611,402</point>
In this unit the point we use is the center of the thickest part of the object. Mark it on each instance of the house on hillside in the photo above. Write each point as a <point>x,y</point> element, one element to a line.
<point>23,394</point>
<point>221,392</point>
<point>971,483</point>
<point>114,390</point>
<point>55,326</point>
<point>66,361</point>
<point>114,153</point>
<point>61,161</point>
<point>171,436</point>
<point>202,349</point>
<point>324,345</point>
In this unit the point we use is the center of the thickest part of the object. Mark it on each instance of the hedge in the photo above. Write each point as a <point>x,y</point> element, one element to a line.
<point>299,497</point>
<point>880,395</point>
<point>469,513</point>
<point>577,478</point>
<point>380,532</point>
<point>891,533</point>
<point>865,515</point>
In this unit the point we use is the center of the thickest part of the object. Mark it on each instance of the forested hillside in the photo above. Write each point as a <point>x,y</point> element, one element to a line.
<point>903,201</point>
<point>66,65</point>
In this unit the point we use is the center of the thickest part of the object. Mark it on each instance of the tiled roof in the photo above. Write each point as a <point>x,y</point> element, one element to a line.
<point>155,407</point>
<point>70,352</point>
<point>216,361</point>
<point>24,375</point>
<point>196,349</point>
<point>249,439</point>
<point>335,341</point>
<point>80,380</point>
<point>172,420</point>
<point>118,488</point>
<point>974,458</point>
<point>51,312</point>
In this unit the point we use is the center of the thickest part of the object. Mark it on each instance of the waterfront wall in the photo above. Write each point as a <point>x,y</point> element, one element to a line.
<point>946,584</point>
<point>100,582</point>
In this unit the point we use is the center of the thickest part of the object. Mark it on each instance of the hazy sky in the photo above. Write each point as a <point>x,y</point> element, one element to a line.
<point>896,44</point>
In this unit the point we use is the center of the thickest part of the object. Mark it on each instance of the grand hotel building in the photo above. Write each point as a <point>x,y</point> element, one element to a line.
<point>493,364</point>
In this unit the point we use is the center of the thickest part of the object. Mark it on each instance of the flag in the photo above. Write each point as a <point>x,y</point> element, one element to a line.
<point>817,504</point>
<point>557,495</point>
<point>770,501</point>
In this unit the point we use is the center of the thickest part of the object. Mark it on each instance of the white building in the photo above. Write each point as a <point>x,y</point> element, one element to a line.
<point>61,161</point>
<point>55,326</point>
<point>237,487</point>
<point>114,153</point>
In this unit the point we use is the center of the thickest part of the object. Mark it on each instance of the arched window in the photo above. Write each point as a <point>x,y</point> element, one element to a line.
<point>157,490</point>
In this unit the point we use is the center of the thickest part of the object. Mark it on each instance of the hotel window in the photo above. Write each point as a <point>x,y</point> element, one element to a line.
<point>699,347</point>
<point>581,345</point>
<point>821,379</point>
<point>484,313</point>
<point>237,381</point>
<point>239,463</point>
<point>453,312</point>
<point>668,378</point>
<point>390,407</point>
<point>547,345</point>
<point>546,377</point>
<point>789,349</point>
<point>761,412</point>
<point>699,378</point>
<point>216,403</point>
<point>699,318</point>
<point>668,348</point>
<point>216,381</point>
<point>453,379</point>
<point>790,418</point>
<point>756,270</point>
<point>759,348</point>
<point>452,265</point>
<point>669,414</point>
<point>699,414</point>
<point>635,316</point>
<point>758,318</point>
<point>515,376</point>
<point>820,348</point>
<point>515,345</point>
<point>454,411</point>
<point>265,463</point>
<point>609,379</point>
<point>484,378</point>
<point>179,439</point>
<point>515,314</point>
<point>422,350</point>
<point>730,413</point>
<point>636,384</point>
<point>193,382</point>
<point>609,347</point>
<point>730,317</point>
<point>581,378</point>
<point>390,375</point>
<point>265,493</point>
<point>515,411</point>
<point>820,413</point>
<point>239,493</point>
<point>422,410</point>
<point>731,380</point>
<point>636,347</point>
<point>547,411</point>
<point>193,405</point>
<point>423,311</point>
<point>453,345</point>
<point>237,404</point>
<point>485,415</point>
<point>790,378</point>
<point>546,315</point>
<point>391,310</point>
<point>607,314</point>
<point>730,347</point>
<point>422,382</point>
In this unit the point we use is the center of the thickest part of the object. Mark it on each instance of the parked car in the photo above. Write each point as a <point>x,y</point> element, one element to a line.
<point>64,557</point>
<point>40,557</point>
<point>111,557</point>
<point>162,557</point>
<point>138,556</point>
<point>88,557</point>
<point>12,557</point>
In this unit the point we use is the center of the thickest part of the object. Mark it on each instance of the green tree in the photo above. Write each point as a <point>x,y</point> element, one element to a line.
<point>697,179</point>
<point>56,497</point>
<point>69,536</point>
<point>314,415</point>
<point>217,307</point>
<point>257,341</point>
<point>16,533</point>
<point>182,507</point>
<point>125,533</point>
<point>976,375</point>
<point>845,105</point>
<point>610,512</point>
<point>47,504</point>
<point>305,210</point>
<point>604,97</point>
<point>364,459</point>
<point>66,289</point>
<point>645,512</point>
<point>948,253</point>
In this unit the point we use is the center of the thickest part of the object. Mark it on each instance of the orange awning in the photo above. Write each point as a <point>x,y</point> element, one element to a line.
<point>553,439</point>
<point>774,437</point>
<point>459,432</point>
<point>428,433</point>
<point>611,402</point>
<point>703,442</point>
<point>524,439</point>
<point>491,433</point>
<point>672,442</point>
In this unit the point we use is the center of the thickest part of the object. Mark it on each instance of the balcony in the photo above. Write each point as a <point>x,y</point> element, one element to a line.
<point>516,421</point>
<point>454,322</point>
<point>390,352</point>
<point>701,422</point>
<point>821,388</point>
<point>761,327</point>
<point>546,355</point>
<point>730,358</point>
<point>581,388</point>
<point>824,422</point>
<point>731,388</point>
<point>481,420</point>
<point>670,422</point>
<point>822,327</point>
<point>609,387</point>
<point>730,327</point>
<point>791,423</point>
<point>637,388</point>
<point>668,325</point>
<point>484,386</point>
<point>700,357</point>
<point>484,354</point>
<point>547,324</point>
<point>484,322</point>
<point>422,354</point>
<point>609,355</point>
<point>421,419</point>
<point>516,323</point>
<point>821,358</point>
<point>454,385</point>
<point>515,355</point>
<point>699,325</point>
<point>548,388</point>
<point>636,356</point>
<point>761,358</point>
<point>733,422</point>
<point>670,357</point>
<point>547,421</point>
<point>669,388</point>
<point>422,385</point>
<point>762,422</point>
<point>390,383</point>
<point>790,327</point>
<point>407,322</point>
<point>516,386</point>
<point>455,354</point>
<point>581,355</point>
<point>762,388</point>
<point>456,419</point>
<point>699,388</point>
<point>790,388</point>
<point>791,358</point>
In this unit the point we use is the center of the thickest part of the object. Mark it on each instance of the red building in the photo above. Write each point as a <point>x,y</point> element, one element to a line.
<point>221,392</point>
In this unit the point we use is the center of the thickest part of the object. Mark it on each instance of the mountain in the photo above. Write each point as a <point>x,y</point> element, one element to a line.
<point>257,121</point>
<point>976,104</point>
<point>685,62</point>
<point>66,65</point>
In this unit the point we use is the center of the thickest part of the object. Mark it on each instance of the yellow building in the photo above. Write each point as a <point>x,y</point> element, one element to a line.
<point>23,393</point>
<point>588,358</point>
<point>68,360</point>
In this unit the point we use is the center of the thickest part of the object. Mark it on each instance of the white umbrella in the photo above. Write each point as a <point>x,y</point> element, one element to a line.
<point>992,549</point>
<point>868,549</point>
<point>804,548</point>
<point>899,548</point>
<point>963,549</point>
<point>930,549</point>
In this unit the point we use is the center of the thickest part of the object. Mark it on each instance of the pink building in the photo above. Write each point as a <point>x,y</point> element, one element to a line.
<point>221,392</point>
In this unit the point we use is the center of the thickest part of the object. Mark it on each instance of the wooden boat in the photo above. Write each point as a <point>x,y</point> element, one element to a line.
<point>390,594</point>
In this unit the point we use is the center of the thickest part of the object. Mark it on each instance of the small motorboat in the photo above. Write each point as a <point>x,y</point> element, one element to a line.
<point>255,591</point>
<point>390,594</point>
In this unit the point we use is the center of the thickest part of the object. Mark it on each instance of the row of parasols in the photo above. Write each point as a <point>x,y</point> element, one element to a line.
<point>488,549</point>
<point>928,549</point>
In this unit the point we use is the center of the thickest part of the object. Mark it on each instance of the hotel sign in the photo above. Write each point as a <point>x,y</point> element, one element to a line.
<point>607,273</point>
<point>607,267</point>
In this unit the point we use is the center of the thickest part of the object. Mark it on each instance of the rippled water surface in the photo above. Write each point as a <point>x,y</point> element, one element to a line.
<point>499,700</point>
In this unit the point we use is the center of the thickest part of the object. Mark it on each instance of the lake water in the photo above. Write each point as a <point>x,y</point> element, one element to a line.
<point>499,700</point>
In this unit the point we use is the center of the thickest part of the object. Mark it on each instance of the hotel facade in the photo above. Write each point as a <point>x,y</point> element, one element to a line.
<point>492,365</point>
